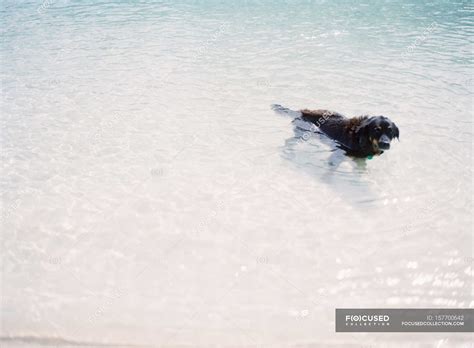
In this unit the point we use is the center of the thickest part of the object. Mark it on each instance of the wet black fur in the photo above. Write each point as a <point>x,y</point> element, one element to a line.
<point>359,136</point>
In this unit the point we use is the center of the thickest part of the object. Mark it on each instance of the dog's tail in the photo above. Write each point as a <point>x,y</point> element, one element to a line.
<point>285,111</point>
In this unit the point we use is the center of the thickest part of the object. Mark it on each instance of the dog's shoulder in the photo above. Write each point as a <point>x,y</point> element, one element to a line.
<point>354,123</point>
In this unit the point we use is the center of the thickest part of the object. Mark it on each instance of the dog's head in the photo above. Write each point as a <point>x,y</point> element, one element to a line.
<point>376,132</point>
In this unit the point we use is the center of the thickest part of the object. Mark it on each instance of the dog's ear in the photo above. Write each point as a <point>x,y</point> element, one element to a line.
<point>396,132</point>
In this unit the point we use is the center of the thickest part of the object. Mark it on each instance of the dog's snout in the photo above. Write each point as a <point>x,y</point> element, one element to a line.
<point>384,142</point>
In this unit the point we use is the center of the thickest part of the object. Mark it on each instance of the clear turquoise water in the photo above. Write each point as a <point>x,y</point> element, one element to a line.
<point>150,195</point>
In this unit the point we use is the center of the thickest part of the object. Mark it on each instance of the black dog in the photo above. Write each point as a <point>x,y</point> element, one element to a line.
<point>361,136</point>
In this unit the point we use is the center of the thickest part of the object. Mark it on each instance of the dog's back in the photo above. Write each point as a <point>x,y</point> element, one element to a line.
<point>333,124</point>
<point>329,122</point>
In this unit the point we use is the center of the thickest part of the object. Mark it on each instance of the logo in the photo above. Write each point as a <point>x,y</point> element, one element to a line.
<point>367,320</point>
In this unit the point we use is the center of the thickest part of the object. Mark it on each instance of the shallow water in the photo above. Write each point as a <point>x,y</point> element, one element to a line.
<point>151,196</point>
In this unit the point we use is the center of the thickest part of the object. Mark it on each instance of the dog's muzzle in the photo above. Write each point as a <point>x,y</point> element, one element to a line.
<point>384,142</point>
